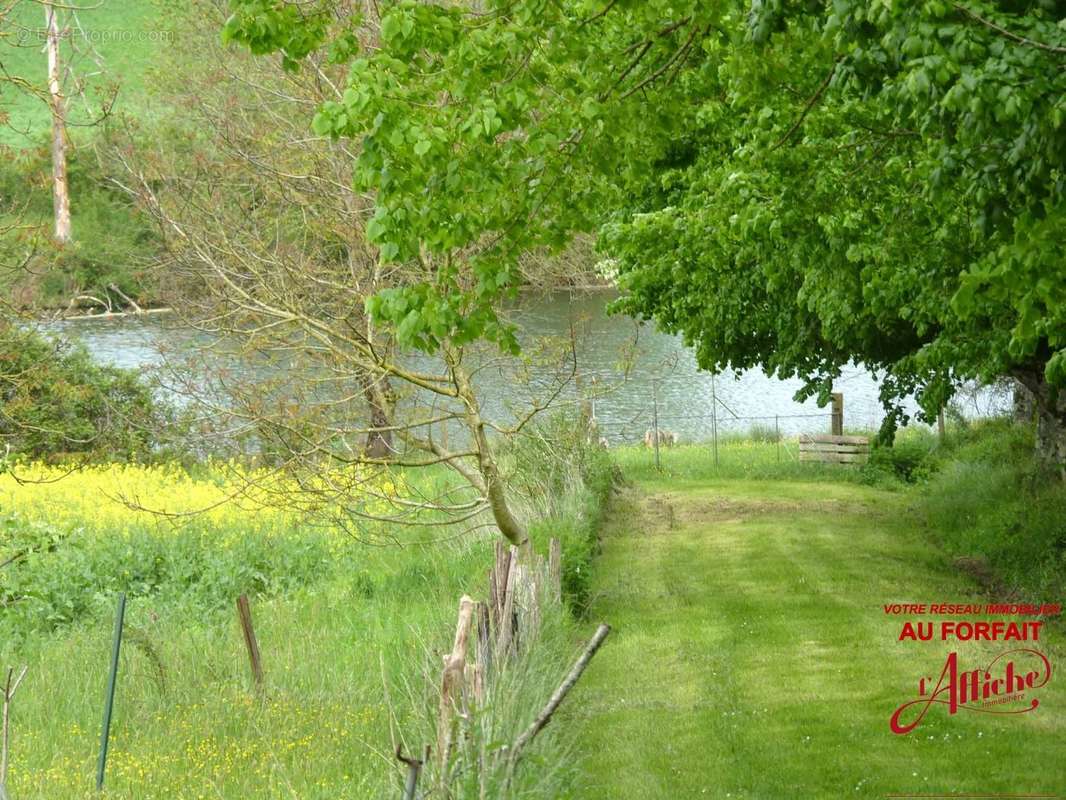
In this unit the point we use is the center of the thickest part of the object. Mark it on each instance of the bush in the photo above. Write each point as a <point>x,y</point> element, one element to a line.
<point>110,236</point>
<point>912,458</point>
<point>55,400</point>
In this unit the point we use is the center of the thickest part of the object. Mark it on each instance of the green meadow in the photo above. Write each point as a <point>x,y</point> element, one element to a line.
<point>351,625</point>
<point>109,47</point>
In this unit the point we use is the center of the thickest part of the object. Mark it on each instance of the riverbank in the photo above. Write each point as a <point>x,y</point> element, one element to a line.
<point>751,656</point>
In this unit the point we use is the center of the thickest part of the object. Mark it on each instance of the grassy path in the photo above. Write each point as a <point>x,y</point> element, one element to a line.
<point>751,657</point>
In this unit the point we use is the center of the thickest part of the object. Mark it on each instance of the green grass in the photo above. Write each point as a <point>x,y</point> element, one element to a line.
<point>745,458</point>
<point>990,502</point>
<point>340,661</point>
<point>351,637</point>
<point>751,657</point>
<point>112,57</point>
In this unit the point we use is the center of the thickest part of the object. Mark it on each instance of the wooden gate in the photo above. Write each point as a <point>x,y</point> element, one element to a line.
<point>834,449</point>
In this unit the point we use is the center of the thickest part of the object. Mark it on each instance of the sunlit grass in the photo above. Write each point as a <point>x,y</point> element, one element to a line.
<point>751,657</point>
<point>351,636</point>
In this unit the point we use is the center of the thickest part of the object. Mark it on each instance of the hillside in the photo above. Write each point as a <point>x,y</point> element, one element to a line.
<point>110,47</point>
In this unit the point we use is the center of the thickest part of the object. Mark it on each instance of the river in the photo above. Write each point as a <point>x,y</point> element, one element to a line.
<point>661,372</point>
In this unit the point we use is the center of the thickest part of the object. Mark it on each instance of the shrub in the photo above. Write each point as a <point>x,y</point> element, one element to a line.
<point>912,458</point>
<point>110,235</point>
<point>54,400</point>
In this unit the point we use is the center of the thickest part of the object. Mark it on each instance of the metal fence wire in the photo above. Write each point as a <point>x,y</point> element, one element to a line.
<point>655,429</point>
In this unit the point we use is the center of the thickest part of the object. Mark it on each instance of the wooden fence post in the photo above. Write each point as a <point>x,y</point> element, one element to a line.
<point>838,414</point>
<point>505,631</point>
<point>10,687</point>
<point>655,423</point>
<point>555,568</point>
<point>244,611</point>
<point>451,686</point>
<point>482,653</point>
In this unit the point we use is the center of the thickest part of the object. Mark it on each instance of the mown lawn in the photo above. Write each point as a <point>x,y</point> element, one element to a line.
<point>751,657</point>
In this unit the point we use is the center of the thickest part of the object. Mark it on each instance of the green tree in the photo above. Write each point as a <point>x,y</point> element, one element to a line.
<point>880,182</point>
<point>795,185</point>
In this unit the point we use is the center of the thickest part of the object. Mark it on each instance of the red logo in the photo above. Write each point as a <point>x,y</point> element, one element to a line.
<point>1006,682</point>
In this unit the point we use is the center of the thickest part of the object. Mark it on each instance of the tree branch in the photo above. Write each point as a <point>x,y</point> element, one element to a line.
<point>809,105</point>
<point>1014,37</point>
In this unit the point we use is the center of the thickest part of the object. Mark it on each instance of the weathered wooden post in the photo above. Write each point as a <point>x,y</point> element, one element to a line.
<point>109,698</point>
<point>483,653</point>
<point>505,631</point>
<point>555,568</point>
<point>10,687</point>
<point>655,422</point>
<point>714,419</point>
<point>777,436</point>
<point>244,611</point>
<point>838,414</point>
<point>451,687</point>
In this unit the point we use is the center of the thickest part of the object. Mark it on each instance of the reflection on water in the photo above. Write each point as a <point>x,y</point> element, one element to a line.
<point>661,370</point>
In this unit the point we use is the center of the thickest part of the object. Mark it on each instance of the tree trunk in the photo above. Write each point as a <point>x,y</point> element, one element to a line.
<point>378,443</point>
<point>494,487</point>
<point>61,195</point>
<point>1024,410</point>
<point>1049,407</point>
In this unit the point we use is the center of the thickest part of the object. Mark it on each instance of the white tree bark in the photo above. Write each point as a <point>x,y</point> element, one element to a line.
<point>60,189</point>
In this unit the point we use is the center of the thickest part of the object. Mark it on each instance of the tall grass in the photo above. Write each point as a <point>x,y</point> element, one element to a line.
<point>992,502</point>
<point>351,637</point>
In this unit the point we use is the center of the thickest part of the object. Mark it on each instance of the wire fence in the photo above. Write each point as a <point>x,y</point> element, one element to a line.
<point>725,428</point>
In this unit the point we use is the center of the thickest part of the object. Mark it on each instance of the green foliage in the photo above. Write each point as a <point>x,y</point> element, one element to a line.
<point>878,182</point>
<point>789,185</point>
<point>994,505</point>
<point>54,400</point>
<point>64,577</point>
<point>910,458</point>
<point>351,654</point>
<point>567,479</point>
<point>350,637</point>
<point>480,136</point>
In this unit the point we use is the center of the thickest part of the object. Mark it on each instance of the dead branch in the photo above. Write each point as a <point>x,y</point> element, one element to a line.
<point>544,717</point>
<point>10,687</point>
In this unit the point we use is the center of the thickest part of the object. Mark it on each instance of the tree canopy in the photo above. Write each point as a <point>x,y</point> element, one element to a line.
<point>792,185</point>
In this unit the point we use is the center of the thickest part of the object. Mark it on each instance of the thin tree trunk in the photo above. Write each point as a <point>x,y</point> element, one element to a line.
<point>60,189</point>
<point>494,487</point>
<point>378,442</point>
